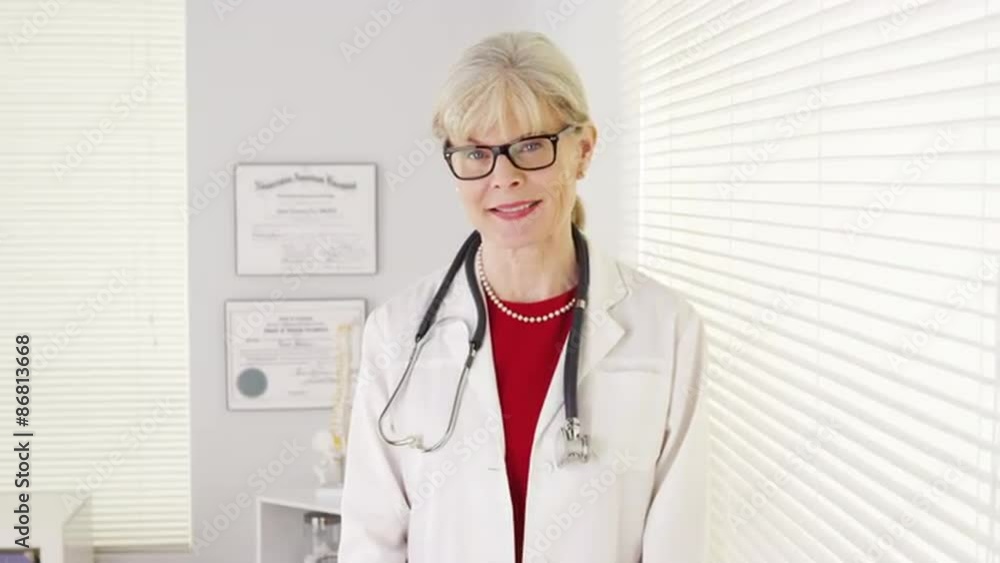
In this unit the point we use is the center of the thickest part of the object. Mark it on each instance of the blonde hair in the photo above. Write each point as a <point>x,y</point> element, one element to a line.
<point>507,76</point>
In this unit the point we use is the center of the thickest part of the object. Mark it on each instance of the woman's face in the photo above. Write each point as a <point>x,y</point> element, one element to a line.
<point>496,204</point>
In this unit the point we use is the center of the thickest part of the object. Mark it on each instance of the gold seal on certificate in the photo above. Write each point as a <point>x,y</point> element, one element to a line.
<point>293,354</point>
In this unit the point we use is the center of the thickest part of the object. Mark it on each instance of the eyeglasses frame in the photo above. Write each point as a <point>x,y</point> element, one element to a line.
<point>504,149</point>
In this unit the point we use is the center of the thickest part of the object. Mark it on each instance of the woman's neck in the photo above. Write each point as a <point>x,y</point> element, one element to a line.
<point>531,273</point>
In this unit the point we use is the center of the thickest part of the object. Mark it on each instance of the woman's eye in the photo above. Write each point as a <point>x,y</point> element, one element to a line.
<point>475,154</point>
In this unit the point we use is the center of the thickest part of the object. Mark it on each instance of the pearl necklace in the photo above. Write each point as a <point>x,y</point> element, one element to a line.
<point>500,305</point>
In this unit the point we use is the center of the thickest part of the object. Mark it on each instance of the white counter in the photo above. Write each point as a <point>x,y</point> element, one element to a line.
<point>281,530</point>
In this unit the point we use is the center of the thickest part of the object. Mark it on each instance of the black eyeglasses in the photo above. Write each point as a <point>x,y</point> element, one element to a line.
<point>472,162</point>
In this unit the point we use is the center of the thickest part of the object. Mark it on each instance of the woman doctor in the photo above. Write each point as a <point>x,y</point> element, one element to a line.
<point>503,487</point>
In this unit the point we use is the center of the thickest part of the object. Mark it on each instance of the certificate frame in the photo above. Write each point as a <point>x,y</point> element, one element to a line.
<point>271,386</point>
<point>349,191</point>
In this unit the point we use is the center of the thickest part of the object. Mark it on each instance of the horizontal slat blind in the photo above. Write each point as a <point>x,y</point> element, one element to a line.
<point>93,258</point>
<point>822,178</point>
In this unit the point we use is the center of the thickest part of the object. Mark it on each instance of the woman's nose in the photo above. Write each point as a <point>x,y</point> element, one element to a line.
<point>505,174</point>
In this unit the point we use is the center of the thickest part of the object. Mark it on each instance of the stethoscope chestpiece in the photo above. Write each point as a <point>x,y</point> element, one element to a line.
<point>575,445</point>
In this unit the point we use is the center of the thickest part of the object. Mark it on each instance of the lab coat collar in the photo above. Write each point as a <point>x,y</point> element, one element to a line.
<point>599,335</point>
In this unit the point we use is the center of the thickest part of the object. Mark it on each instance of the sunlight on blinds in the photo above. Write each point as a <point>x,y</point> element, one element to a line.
<point>822,178</point>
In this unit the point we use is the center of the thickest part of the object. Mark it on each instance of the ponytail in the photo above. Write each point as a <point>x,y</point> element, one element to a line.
<point>579,216</point>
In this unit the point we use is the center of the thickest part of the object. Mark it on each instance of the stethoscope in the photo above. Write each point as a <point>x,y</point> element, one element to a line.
<point>575,445</point>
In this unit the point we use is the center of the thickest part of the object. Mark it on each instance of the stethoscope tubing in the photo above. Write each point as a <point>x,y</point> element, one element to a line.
<point>466,255</point>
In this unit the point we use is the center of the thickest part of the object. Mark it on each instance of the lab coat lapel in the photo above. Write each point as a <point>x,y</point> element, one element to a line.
<point>600,334</point>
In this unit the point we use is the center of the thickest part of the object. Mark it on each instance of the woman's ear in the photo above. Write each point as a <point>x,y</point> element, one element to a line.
<point>588,142</point>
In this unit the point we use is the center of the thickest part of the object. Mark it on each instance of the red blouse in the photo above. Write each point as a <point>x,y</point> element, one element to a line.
<point>525,356</point>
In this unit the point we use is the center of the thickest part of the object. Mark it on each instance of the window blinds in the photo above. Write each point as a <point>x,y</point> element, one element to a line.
<point>822,179</point>
<point>93,256</point>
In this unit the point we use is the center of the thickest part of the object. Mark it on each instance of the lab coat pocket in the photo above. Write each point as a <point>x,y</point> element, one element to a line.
<point>625,413</point>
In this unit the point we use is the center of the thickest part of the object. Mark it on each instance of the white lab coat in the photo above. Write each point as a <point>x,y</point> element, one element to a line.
<point>642,495</point>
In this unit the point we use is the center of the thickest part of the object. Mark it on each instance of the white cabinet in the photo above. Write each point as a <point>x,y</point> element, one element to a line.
<point>61,534</point>
<point>281,529</point>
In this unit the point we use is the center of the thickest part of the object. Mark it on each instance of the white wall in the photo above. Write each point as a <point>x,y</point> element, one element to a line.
<point>264,56</point>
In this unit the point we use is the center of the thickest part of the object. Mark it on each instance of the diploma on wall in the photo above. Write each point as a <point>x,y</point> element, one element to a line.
<point>292,354</point>
<point>305,219</point>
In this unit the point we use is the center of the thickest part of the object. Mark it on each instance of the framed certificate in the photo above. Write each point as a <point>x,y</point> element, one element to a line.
<point>293,354</point>
<point>305,219</point>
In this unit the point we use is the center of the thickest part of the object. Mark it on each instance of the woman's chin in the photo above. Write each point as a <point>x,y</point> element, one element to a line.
<point>514,238</point>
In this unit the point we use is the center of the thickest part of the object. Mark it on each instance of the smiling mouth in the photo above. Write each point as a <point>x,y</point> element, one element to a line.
<point>515,211</point>
<point>516,207</point>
